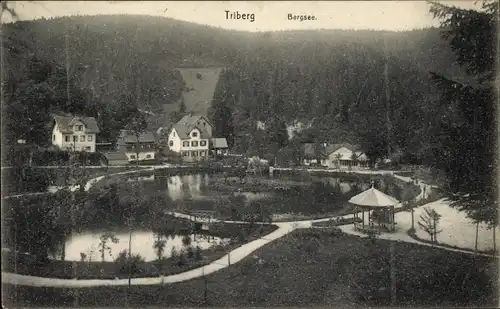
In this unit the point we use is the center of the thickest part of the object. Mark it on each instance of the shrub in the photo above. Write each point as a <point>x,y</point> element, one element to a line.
<point>182,259</point>
<point>173,252</point>
<point>186,241</point>
<point>123,262</point>
<point>190,252</point>
<point>197,254</point>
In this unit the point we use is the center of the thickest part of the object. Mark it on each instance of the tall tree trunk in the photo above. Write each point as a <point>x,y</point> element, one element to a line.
<point>137,152</point>
<point>477,237</point>
<point>494,240</point>
<point>388,102</point>
<point>434,230</point>
<point>72,208</point>
<point>393,272</point>
<point>68,99</point>
<point>68,94</point>
<point>412,219</point>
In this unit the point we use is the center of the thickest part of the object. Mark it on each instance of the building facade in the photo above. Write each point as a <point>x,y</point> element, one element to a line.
<point>75,133</point>
<point>345,156</point>
<point>143,149</point>
<point>334,156</point>
<point>191,137</point>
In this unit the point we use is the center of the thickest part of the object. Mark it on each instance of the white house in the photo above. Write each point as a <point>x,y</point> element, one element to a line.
<point>143,150</point>
<point>344,156</point>
<point>75,133</point>
<point>192,138</point>
<point>334,155</point>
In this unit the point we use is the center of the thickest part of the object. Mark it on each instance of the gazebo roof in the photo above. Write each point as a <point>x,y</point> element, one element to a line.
<point>373,198</point>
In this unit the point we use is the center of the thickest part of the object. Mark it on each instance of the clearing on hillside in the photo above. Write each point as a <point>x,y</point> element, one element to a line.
<point>200,89</point>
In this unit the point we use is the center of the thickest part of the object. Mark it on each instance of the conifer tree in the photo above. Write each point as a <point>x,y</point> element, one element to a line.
<point>466,134</point>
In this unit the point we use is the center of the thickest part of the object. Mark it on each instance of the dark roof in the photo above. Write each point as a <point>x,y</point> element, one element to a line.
<point>65,123</point>
<point>219,142</point>
<point>188,123</point>
<point>115,156</point>
<point>128,137</point>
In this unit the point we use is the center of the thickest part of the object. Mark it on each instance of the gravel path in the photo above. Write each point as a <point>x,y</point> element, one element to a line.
<point>234,256</point>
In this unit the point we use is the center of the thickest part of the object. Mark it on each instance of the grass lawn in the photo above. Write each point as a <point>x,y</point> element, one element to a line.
<point>308,268</point>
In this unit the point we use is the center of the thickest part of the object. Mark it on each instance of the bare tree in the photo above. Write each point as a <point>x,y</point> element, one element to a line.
<point>429,222</point>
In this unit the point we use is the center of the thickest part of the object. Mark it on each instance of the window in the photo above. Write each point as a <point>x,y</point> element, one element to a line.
<point>171,143</point>
<point>148,156</point>
<point>82,138</point>
<point>173,134</point>
<point>194,144</point>
<point>203,143</point>
<point>87,148</point>
<point>202,153</point>
<point>185,144</point>
<point>132,157</point>
<point>194,134</point>
<point>75,138</point>
<point>79,128</point>
<point>194,153</point>
<point>89,138</point>
<point>53,137</point>
<point>66,138</point>
<point>186,153</point>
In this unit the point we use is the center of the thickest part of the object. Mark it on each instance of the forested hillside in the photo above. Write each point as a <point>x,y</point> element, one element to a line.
<point>333,79</point>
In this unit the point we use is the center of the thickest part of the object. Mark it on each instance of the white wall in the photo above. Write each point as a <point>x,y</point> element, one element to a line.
<point>194,139</point>
<point>343,151</point>
<point>60,140</point>
<point>143,155</point>
<point>174,137</point>
<point>58,136</point>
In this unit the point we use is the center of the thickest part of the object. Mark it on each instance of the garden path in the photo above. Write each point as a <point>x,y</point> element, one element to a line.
<point>232,257</point>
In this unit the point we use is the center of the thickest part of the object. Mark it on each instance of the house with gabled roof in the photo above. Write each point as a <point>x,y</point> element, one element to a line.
<point>74,133</point>
<point>313,153</point>
<point>342,155</point>
<point>345,155</point>
<point>192,138</point>
<point>142,148</point>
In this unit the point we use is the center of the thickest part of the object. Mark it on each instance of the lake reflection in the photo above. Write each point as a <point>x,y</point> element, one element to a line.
<point>345,187</point>
<point>188,186</point>
<point>142,243</point>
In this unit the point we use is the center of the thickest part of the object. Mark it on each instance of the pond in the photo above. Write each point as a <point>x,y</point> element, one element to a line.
<point>281,195</point>
<point>143,242</point>
<point>198,186</point>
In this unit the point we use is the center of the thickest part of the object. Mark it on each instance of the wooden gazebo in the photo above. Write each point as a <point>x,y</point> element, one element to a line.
<point>382,206</point>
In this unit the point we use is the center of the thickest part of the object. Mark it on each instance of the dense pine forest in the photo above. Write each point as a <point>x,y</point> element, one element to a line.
<point>333,81</point>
